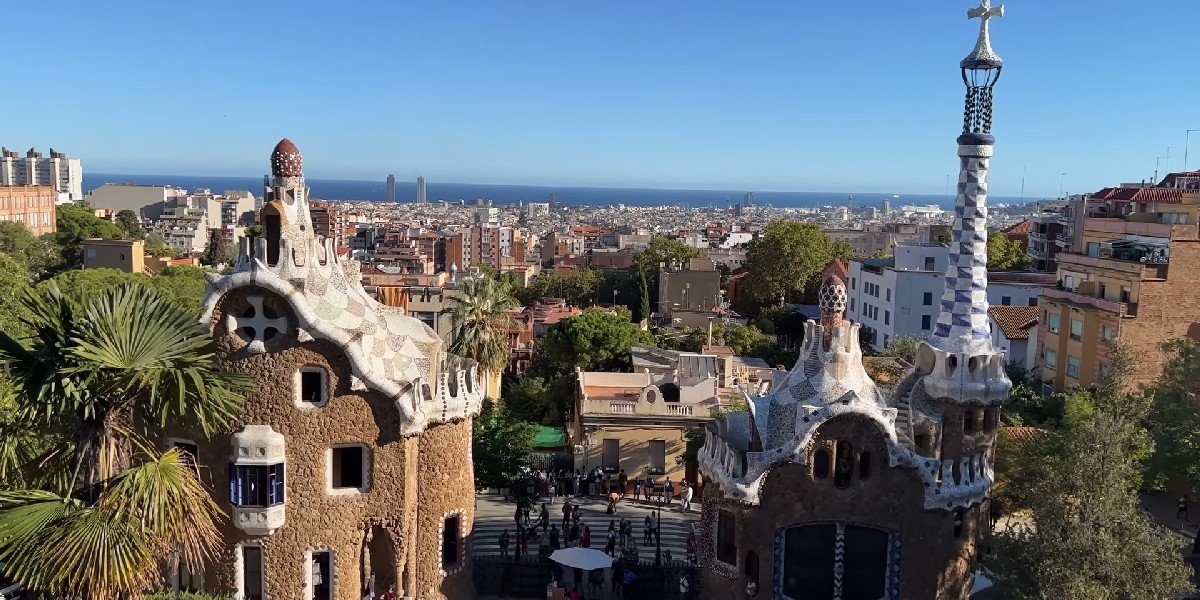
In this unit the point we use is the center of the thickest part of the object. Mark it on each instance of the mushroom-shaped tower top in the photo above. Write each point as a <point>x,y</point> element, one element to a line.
<point>286,160</point>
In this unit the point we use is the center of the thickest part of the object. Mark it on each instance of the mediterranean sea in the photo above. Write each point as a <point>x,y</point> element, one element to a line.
<point>352,190</point>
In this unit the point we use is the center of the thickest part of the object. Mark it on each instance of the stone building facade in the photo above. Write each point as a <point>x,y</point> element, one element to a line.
<point>830,489</point>
<point>351,465</point>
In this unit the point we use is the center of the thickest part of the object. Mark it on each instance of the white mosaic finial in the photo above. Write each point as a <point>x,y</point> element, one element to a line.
<point>983,52</point>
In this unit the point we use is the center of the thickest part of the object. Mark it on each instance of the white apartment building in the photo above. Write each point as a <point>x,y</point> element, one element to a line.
<point>64,174</point>
<point>900,296</point>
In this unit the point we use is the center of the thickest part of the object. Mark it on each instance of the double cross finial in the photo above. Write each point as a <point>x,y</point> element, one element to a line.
<point>983,48</point>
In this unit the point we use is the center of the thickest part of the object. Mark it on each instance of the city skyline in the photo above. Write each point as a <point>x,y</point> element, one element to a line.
<point>665,96</point>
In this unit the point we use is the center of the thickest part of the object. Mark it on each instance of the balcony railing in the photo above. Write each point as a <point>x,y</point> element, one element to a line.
<point>1124,309</point>
<point>658,408</point>
<point>1139,270</point>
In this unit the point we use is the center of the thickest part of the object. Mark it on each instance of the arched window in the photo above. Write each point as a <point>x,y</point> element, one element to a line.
<point>843,470</point>
<point>864,465</point>
<point>751,569</point>
<point>821,463</point>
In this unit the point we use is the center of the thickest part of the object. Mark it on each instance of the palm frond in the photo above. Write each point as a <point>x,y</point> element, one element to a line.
<point>24,516</point>
<point>91,553</point>
<point>170,505</point>
<point>137,346</point>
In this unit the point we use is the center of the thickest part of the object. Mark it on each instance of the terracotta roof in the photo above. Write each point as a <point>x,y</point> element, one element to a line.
<point>839,268</point>
<point>1125,194</point>
<point>1169,180</point>
<point>1021,228</point>
<point>1023,434</point>
<point>1015,321</point>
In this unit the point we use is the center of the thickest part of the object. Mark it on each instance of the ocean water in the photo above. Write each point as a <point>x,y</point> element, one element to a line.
<point>345,189</point>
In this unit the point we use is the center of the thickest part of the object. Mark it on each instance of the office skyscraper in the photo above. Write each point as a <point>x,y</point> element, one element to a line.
<point>421,190</point>
<point>391,188</point>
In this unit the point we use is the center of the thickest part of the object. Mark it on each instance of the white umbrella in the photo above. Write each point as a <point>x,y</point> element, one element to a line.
<point>582,558</point>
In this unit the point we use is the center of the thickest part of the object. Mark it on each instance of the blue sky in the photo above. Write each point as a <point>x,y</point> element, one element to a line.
<point>763,95</point>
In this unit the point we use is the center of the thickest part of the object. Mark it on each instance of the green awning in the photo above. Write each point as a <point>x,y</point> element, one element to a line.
<point>549,437</point>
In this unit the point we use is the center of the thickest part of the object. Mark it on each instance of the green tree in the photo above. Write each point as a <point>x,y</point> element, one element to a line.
<point>183,286</point>
<point>216,251</point>
<point>131,226</point>
<point>157,246</point>
<point>76,223</point>
<point>37,255</point>
<point>787,261</point>
<point>1004,254</point>
<point>580,287</point>
<point>1174,419</point>
<point>903,347</point>
<point>482,319</point>
<point>593,340</point>
<point>662,250</point>
<point>500,445</point>
<point>644,299</point>
<point>99,381</point>
<point>531,398</point>
<point>14,284</point>
<point>1086,536</point>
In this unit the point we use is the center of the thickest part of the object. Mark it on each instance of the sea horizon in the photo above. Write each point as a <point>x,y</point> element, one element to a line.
<point>355,190</point>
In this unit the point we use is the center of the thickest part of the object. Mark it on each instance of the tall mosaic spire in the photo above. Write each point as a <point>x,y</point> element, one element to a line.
<point>962,325</point>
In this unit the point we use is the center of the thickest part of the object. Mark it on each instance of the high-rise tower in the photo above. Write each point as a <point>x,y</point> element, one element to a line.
<point>391,188</point>
<point>420,190</point>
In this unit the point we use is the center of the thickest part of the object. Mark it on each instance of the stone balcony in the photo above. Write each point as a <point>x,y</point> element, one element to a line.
<point>259,520</point>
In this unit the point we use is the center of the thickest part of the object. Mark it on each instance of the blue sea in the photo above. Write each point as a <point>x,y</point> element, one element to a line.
<point>351,190</point>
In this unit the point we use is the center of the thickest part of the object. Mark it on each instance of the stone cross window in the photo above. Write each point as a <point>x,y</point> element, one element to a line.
<point>258,324</point>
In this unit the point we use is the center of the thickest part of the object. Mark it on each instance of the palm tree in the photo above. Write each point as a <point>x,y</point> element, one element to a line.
<point>482,318</point>
<point>97,380</point>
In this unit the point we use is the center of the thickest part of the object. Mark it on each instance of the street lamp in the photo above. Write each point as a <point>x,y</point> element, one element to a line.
<point>614,299</point>
<point>686,287</point>
<point>658,528</point>
<point>1187,139</point>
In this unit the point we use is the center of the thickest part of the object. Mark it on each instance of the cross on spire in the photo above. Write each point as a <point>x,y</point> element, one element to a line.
<point>984,12</point>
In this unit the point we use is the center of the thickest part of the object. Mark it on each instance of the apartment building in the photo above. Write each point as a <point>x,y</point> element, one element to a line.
<point>186,221</point>
<point>64,175</point>
<point>1131,277</point>
<point>637,421</point>
<point>329,221</point>
<point>688,293</point>
<point>29,205</point>
<point>901,296</point>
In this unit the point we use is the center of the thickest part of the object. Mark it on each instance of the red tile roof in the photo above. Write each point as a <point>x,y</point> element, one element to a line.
<point>1123,194</point>
<point>1021,228</point>
<point>1015,321</point>
<point>1023,434</point>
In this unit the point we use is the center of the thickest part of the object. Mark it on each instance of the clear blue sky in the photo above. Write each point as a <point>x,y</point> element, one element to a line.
<point>763,95</point>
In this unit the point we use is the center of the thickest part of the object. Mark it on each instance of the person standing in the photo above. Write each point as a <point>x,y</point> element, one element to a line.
<point>649,487</point>
<point>544,519</point>
<point>668,490</point>
<point>647,531</point>
<point>623,481</point>
<point>637,490</point>
<point>686,497</point>
<point>504,545</point>
<point>566,514</point>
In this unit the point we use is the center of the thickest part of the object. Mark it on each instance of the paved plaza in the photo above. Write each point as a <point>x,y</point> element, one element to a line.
<point>493,515</point>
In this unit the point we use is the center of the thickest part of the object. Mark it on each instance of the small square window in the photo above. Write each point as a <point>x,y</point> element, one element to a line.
<point>1050,359</point>
<point>926,322</point>
<point>1005,300</point>
<point>348,469</point>
<point>927,299</point>
<point>1106,333</point>
<point>312,387</point>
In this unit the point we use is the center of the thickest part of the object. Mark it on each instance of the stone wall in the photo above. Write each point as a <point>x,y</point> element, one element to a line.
<point>1165,310</point>
<point>934,563</point>
<point>445,487</point>
<point>388,509</point>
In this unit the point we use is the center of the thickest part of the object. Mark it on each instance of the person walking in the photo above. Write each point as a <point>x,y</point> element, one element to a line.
<point>610,546</point>
<point>504,545</point>
<point>647,531</point>
<point>686,497</point>
<point>623,481</point>
<point>544,519</point>
<point>566,514</point>
<point>668,490</point>
<point>1181,511</point>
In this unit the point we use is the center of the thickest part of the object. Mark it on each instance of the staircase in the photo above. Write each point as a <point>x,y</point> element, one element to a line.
<point>904,432</point>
